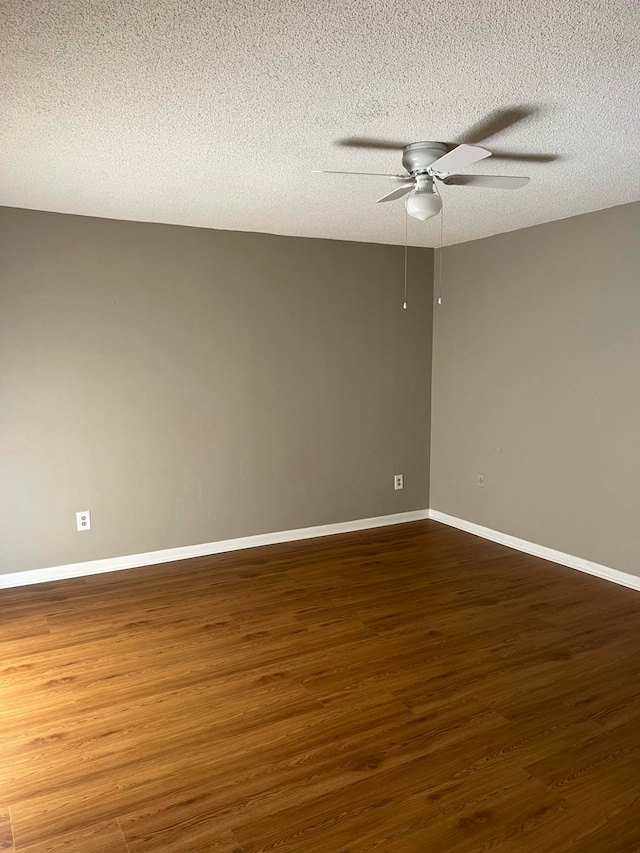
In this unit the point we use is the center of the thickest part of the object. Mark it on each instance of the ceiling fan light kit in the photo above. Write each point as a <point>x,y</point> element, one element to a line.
<point>423,202</point>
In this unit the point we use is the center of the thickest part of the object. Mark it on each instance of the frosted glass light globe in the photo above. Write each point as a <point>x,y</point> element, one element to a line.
<point>423,205</point>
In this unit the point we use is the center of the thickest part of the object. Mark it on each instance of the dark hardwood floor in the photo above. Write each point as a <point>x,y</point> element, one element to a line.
<point>412,688</point>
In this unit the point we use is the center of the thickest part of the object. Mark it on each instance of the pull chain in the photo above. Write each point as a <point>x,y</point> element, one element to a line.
<point>440,258</point>
<point>406,242</point>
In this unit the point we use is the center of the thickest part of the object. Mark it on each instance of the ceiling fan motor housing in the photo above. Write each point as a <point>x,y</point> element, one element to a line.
<point>418,156</point>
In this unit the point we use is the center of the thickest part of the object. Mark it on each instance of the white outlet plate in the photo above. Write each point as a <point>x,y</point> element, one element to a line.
<point>398,482</point>
<point>481,480</point>
<point>83,520</point>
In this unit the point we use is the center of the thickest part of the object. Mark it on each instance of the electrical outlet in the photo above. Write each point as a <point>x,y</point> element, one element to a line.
<point>83,520</point>
<point>481,480</point>
<point>398,482</point>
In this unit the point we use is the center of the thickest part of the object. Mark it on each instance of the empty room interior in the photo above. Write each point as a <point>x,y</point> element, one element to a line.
<point>319,427</point>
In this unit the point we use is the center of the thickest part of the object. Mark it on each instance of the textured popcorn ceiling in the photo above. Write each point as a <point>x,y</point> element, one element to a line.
<point>214,113</point>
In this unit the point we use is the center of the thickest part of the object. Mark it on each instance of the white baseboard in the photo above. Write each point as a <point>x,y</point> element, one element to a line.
<point>613,575</point>
<point>168,555</point>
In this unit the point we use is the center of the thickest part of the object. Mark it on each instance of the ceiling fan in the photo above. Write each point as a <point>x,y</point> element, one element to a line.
<point>428,162</point>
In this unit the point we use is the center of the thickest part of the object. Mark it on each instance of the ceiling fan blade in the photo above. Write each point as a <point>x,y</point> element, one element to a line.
<point>365,142</point>
<point>394,194</point>
<point>463,155</point>
<point>498,182</point>
<point>368,174</point>
<point>525,158</point>
<point>496,122</point>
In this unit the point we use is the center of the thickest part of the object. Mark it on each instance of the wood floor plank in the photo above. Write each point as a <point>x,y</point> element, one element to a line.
<point>407,689</point>
<point>101,838</point>
<point>242,774</point>
<point>375,810</point>
<point>610,824</point>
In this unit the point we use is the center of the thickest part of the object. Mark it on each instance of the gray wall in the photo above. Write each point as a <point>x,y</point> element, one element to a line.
<point>188,385</point>
<point>536,383</point>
